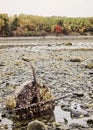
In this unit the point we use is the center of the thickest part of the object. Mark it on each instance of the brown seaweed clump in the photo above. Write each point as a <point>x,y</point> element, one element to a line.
<point>31,100</point>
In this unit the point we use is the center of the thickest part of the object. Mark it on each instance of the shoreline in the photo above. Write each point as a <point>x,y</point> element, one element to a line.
<point>49,37</point>
<point>63,42</point>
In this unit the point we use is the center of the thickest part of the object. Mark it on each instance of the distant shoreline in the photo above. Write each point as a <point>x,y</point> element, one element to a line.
<point>46,37</point>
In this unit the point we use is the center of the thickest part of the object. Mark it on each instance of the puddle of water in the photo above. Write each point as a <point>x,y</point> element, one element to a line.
<point>60,115</point>
<point>6,122</point>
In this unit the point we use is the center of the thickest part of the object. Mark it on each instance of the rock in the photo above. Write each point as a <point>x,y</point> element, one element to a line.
<point>4,115</point>
<point>36,125</point>
<point>6,126</point>
<point>78,114</point>
<point>91,73</point>
<point>74,126</point>
<point>87,105</point>
<point>63,127</point>
<point>79,94</point>
<point>56,124</point>
<point>88,63</point>
<point>65,121</point>
<point>76,59</point>
<point>31,99</point>
<point>25,96</point>
<point>17,63</point>
<point>24,58</point>
<point>2,63</point>
<point>90,122</point>
<point>66,107</point>
<point>68,44</point>
<point>49,45</point>
<point>91,96</point>
<point>2,127</point>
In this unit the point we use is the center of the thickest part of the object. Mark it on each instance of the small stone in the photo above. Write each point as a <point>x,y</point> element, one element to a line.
<point>78,114</point>
<point>75,125</point>
<point>2,64</point>
<point>63,127</point>
<point>91,96</point>
<point>4,115</point>
<point>2,127</point>
<point>68,44</point>
<point>36,125</point>
<point>91,73</point>
<point>88,63</point>
<point>76,59</point>
<point>49,45</point>
<point>79,94</point>
<point>90,123</point>
<point>17,63</point>
<point>6,126</point>
<point>24,58</point>
<point>56,124</point>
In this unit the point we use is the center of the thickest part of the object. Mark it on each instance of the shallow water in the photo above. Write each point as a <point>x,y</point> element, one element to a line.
<point>60,115</point>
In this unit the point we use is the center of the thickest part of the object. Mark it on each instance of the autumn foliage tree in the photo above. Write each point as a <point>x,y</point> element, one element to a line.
<point>58,28</point>
<point>4,25</point>
<point>30,25</point>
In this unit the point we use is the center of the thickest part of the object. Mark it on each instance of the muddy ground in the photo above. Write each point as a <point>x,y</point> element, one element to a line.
<point>63,64</point>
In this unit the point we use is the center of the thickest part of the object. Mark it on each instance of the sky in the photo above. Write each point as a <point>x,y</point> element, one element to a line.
<point>67,8</point>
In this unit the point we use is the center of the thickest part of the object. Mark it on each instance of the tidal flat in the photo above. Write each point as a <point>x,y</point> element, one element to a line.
<point>64,64</point>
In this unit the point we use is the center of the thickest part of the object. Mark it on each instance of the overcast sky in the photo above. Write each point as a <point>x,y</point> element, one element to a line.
<point>68,8</point>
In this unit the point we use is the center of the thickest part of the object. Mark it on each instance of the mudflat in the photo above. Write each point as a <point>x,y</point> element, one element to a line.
<point>65,64</point>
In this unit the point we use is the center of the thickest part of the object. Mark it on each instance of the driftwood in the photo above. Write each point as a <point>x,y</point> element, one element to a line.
<point>37,90</point>
<point>42,103</point>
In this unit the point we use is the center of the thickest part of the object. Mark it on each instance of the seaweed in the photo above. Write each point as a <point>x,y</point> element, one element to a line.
<point>31,99</point>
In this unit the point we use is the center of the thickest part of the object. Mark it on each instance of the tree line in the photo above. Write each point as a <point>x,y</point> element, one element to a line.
<point>30,25</point>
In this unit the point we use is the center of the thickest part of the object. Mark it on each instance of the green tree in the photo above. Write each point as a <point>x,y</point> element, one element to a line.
<point>15,23</point>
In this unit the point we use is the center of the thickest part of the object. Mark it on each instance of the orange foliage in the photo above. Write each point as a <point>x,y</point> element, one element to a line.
<point>58,28</point>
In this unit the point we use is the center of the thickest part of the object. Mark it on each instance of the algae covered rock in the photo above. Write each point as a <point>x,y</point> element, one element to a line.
<point>36,125</point>
<point>31,100</point>
<point>11,102</point>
